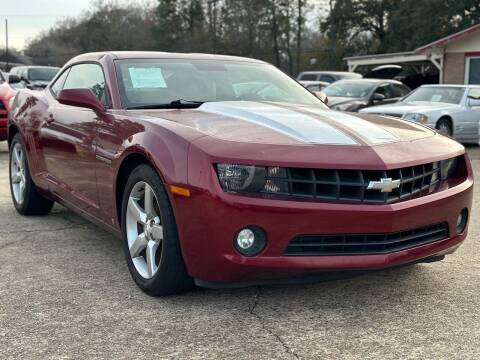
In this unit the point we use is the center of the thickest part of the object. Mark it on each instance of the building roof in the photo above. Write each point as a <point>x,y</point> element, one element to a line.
<point>444,41</point>
<point>420,54</point>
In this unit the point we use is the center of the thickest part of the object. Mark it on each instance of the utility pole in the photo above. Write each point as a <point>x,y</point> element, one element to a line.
<point>6,44</point>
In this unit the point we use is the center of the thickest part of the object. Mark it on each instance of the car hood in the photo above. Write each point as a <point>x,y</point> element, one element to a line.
<point>287,124</point>
<point>337,100</point>
<point>403,108</point>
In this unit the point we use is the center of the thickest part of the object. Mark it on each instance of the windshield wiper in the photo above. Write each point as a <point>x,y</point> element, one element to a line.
<point>176,104</point>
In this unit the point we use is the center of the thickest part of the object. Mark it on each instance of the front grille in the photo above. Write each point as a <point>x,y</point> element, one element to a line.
<point>365,244</point>
<point>352,185</point>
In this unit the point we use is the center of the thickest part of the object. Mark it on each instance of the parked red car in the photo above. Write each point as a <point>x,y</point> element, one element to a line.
<point>6,93</point>
<point>223,171</point>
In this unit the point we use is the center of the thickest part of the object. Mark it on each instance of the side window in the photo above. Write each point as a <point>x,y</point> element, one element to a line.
<point>87,76</point>
<point>399,91</point>
<point>385,90</point>
<point>58,85</point>
<point>327,78</point>
<point>474,94</point>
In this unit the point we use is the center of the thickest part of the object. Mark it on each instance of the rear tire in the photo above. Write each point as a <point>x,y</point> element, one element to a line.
<point>25,196</point>
<point>150,237</point>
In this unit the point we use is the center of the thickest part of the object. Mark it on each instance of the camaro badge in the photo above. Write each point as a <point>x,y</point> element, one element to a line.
<point>384,185</point>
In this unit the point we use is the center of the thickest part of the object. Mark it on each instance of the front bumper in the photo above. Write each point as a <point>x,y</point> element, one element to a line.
<point>209,219</point>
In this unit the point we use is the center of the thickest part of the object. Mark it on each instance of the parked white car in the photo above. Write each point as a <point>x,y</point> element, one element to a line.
<point>453,110</point>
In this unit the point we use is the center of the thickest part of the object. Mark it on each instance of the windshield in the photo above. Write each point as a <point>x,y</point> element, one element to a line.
<point>148,82</point>
<point>353,89</point>
<point>42,74</point>
<point>450,95</point>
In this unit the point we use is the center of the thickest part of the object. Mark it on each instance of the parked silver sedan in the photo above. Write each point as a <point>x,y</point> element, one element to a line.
<point>453,110</point>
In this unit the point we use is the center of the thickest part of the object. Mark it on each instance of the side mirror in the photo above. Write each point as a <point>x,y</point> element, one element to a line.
<point>23,78</point>
<point>322,96</point>
<point>84,98</point>
<point>377,97</point>
<point>473,102</point>
<point>13,79</point>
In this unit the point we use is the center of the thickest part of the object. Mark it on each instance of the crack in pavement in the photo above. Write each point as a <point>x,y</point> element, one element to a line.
<point>3,246</point>
<point>261,320</point>
<point>41,230</point>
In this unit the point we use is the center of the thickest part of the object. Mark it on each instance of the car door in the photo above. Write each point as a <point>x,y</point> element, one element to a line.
<point>68,139</point>
<point>470,117</point>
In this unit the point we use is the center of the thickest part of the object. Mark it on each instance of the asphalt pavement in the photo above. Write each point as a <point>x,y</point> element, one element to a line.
<point>65,293</point>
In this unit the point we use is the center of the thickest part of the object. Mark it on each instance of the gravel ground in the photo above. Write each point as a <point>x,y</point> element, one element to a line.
<point>65,292</point>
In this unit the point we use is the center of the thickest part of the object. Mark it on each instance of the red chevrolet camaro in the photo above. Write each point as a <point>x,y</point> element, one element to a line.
<point>222,171</point>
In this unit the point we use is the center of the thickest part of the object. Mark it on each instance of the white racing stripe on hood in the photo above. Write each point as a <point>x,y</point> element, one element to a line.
<point>374,134</point>
<point>293,124</point>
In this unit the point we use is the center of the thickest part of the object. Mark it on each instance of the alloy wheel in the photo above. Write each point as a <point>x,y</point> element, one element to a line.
<point>444,129</point>
<point>17,173</point>
<point>144,229</point>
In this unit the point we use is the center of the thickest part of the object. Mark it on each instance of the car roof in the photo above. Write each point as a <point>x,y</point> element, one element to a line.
<point>313,82</point>
<point>34,67</point>
<point>372,81</point>
<point>452,85</point>
<point>330,72</point>
<point>122,55</point>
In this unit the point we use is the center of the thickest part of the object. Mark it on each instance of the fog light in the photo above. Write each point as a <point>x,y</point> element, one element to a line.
<point>462,221</point>
<point>250,241</point>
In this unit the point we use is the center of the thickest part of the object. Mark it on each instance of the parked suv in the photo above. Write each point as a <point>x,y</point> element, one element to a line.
<point>35,77</point>
<point>327,76</point>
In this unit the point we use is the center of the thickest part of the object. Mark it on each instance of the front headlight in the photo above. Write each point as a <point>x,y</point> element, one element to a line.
<point>251,178</point>
<point>420,118</point>
<point>447,168</point>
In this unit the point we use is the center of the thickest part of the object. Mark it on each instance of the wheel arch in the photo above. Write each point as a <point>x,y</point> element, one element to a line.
<point>12,131</point>
<point>128,164</point>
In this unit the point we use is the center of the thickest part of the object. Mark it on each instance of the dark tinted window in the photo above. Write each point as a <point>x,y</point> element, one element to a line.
<point>327,78</point>
<point>399,90</point>
<point>385,90</point>
<point>87,76</point>
<point>58,85</point>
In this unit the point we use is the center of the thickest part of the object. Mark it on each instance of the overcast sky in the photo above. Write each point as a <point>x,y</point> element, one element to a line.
<point>27,18</point>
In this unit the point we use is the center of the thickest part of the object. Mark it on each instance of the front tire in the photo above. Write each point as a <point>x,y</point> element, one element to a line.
<point>151,243</point>
<point>25,196</point>
<point>444,127</point>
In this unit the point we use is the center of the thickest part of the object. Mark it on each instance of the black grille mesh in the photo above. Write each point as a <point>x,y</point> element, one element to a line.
<point>365,244</point>
<point>351,185</point>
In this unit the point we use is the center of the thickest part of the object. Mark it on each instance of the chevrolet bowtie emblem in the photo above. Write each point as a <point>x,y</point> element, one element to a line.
<point>384,185</point>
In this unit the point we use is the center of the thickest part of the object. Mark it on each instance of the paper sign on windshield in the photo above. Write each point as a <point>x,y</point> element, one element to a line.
<point>436,98</point>
<point>147,77</point>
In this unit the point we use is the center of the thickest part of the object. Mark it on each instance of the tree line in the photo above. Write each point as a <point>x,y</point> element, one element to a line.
<point>288,33</point>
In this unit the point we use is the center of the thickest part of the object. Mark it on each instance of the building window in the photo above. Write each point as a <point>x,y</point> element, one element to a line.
<point>472,70</point>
